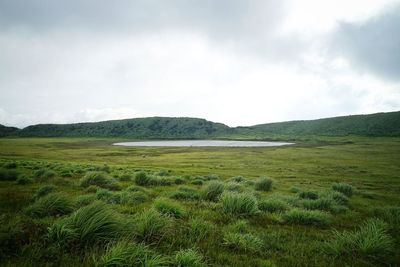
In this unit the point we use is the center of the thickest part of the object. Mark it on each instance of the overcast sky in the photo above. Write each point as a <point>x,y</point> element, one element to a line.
<point>239,62</point>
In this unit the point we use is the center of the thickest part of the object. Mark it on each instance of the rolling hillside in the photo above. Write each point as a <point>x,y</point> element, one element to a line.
<point>152,128</point>
<point>379,124</point>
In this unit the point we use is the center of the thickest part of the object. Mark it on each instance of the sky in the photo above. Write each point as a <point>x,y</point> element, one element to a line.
<point>239,62</point>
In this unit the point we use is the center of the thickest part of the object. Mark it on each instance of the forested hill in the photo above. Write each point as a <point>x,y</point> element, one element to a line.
<point>379,124</point>
<point>7,131</point>
<point>153,128</point>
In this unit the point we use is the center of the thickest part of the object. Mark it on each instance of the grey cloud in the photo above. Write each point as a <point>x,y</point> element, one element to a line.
<point>373,46</point>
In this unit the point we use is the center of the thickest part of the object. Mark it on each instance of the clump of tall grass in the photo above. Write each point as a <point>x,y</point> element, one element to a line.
<point>126,177</point>
<point>239,204</point>
<point>142,179</point>
<point>317,204</point>
<point>200,229</point>
<point>197,181</point>
<point>189,258</point>
<point>44,190</point>
<point>89,225</point>
<point>23,180</point>
<point>84,200</point>
<point>8,174</point>
<point>234,187</point>
<point>123,197</point>
<point>169,208</point>
<point>309,195</point>
<point>273,204</point>
<point>125,253</point>
<point>151,225</point>
<point>51,205</point>
<point>346,189</point>
<point>100,179</point>
<point>390,215</point>
<point>238,179</point>
<point>245,242</point>
<point>338,197</point>
<point>371,240</point>
<point>264,184</point>
<point>44,174</point>
<point>185,193</point>
<point>213,191</point>
<point>307,217</point>
<point>10,165</point>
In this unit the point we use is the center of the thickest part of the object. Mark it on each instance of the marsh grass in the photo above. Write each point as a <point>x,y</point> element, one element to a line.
<point>126,253</point>
<point>189,258</point>
<point>307,217</point>
<point>89,225</point>
<point>346,189</point>
<point>200,229</point>
<point>44,190</point>
<point>239,204</point>
<point>185,193</point>
<point>370,240</point>
<point>24,180</point>
<point>100,179</point>
<point>169,207</point>
<point>213,190</point>
<point>150,225</point>
<point>273,204</point>
<point>264,184</point>
<point>8,174</point>
<point>243,242</point>
<point>51,205</point>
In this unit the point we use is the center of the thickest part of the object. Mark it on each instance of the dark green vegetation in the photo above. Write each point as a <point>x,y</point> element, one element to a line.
<point>380,124</point>
<point>83,202</point>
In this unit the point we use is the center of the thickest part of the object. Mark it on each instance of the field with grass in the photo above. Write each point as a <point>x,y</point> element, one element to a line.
<point>83,202</point>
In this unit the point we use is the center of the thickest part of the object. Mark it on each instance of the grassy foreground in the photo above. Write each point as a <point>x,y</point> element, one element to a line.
<point>74,202</point>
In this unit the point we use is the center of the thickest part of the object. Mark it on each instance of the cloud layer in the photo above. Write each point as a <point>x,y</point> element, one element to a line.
<point>238,62</point>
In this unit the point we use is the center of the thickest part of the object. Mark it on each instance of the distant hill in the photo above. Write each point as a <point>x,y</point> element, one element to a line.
<point>379,124</point>
<point>7,131</point>
<point>152,128</point>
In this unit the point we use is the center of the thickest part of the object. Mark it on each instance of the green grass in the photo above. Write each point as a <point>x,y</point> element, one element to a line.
<point>293,230</point>
<point>51,205</point>
<point>307,217</point>
<point>213,191</point>
<point>189,258</point>
<point>371,240</point>
<point>100,179</point>
<point>264,184</point>
<point>239,204</point>
<point>92,224</point>
<point>346,189</point>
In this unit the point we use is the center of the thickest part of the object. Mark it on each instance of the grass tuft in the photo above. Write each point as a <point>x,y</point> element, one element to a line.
<point>244,242</point>
<point>213,191</point>
<point>8,174</point>
<point>89,225</point>
<point>307,217</point>
<point>264,184</point>
<point>44,190</point>
<point>169,207</point>
<point>150,225</point>
<point>370,240</point>
<point>273,204</point>
<point>239,204</point>
<point>100,179</point>
<point>346,189</point>
<point>51,205</point>
<point>189,258</point>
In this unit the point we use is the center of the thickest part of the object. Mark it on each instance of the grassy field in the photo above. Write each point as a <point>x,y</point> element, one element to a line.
<point>322,202</point>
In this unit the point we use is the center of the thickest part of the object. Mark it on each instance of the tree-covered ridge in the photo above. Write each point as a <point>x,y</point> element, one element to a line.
<point>6,131</point>
<point>154,127</point>
<point>379,124</point>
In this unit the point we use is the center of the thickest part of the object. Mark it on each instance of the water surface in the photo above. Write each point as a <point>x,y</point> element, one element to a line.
<point>202,143</point>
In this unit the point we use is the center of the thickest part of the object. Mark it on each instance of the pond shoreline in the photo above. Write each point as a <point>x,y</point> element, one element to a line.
<point>202,143</point>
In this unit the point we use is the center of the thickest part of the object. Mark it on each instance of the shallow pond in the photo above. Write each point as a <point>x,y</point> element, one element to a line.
<point>202,143</point>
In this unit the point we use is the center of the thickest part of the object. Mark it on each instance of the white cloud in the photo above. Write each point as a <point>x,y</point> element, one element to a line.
<point>243,78</point>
